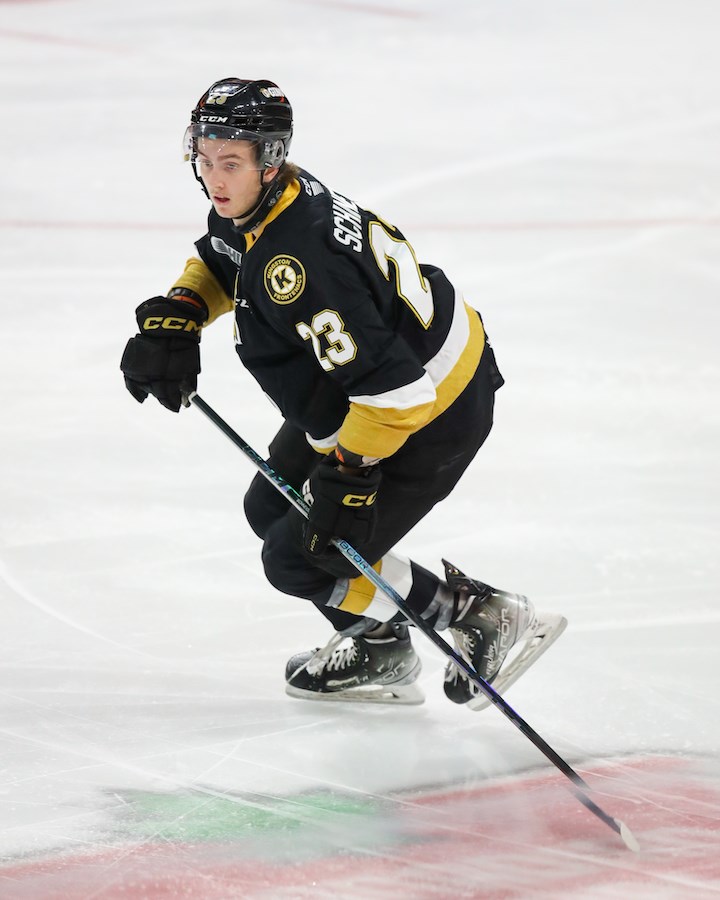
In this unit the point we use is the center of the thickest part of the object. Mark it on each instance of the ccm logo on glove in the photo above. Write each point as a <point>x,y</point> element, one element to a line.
<point>359,499</point>
<point>342,505</point>
<point>170,323</point>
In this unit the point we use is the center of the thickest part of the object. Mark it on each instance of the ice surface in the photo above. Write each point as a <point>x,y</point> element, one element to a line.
<point>560,161</point>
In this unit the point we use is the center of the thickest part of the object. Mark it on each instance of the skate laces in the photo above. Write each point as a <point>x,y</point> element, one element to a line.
<point>332,657</point>
<point>466,642</point>
<point>343,657</point>
<point>481,645</point>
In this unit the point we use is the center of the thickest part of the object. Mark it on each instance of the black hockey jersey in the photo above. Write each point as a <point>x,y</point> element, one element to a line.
<point>355,341</point>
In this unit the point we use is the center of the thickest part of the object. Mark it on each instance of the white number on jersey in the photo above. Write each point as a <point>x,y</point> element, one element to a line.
<point>410,284</point>
<point>341,348</point>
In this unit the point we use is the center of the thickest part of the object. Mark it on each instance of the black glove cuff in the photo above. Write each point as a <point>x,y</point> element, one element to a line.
<point>187,296</point>
<point>366,479</point>
<point>355,460</point>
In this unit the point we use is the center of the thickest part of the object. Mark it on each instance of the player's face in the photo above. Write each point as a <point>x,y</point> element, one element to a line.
<point>229,171</point>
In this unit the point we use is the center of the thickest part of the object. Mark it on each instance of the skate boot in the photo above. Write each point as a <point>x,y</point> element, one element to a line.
<point>379,667</point>
<point>498,633</point>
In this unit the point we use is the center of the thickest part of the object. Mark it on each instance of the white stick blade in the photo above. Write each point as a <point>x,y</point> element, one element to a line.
<point>629,838</point>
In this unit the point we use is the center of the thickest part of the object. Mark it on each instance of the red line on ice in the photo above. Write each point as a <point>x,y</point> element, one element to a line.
<point>371,8</point>
<point>56,39</point>
<point>481,831</point>
<point>589,225</point>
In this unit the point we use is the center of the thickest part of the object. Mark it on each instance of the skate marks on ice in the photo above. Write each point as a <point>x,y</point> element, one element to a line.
<point>520,836</point>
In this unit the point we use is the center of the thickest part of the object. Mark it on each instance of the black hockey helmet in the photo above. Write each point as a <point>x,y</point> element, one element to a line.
<point>237,109</point>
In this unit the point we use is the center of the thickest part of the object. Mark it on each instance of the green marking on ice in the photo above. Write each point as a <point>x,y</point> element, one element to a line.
<point>197,817</point>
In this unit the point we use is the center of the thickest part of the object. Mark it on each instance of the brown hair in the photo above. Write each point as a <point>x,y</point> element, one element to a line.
<point>288,172</point>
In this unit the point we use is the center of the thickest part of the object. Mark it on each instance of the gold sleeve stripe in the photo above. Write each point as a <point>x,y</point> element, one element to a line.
<point>363,598</point>
<point>373,431</point>
<point>198,278</point>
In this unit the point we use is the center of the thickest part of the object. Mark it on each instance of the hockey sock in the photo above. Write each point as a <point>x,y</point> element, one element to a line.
<point>423,591</point>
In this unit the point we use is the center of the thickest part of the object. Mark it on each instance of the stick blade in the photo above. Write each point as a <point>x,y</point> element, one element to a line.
<point>627,836</point>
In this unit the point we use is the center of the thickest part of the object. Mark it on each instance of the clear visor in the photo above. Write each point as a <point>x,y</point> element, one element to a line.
<point>265,154</point>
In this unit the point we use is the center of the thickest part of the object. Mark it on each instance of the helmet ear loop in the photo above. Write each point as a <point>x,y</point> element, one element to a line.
<point>201,183</point>
<point>197,177</point>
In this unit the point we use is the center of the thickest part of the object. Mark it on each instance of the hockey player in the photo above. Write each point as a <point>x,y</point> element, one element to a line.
<point>385,381</point>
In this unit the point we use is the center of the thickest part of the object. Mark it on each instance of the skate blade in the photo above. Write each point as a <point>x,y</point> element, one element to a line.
<point>544,635</point>
<point>406,694</point>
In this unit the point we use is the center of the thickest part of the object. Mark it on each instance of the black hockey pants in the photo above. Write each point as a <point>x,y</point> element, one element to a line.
<point>422,472</point>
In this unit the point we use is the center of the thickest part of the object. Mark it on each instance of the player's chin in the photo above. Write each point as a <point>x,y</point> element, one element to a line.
<point>224,208</point>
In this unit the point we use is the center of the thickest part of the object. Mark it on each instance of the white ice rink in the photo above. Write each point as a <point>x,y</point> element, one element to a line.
<point>561,160</point>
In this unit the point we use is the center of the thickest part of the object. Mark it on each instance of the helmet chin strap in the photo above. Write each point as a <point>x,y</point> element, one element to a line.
<point>255,214</point>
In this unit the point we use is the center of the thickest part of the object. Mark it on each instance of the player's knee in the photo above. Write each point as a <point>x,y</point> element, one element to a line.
<point>286,565</point>
<point>279,562</point>
<point>263,506</point>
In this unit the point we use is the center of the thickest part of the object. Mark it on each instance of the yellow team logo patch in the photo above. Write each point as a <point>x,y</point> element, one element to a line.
<point>284,279</point>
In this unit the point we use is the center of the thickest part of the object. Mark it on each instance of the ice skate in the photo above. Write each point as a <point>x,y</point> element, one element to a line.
<point>369,669</point>
<point>498,633</point>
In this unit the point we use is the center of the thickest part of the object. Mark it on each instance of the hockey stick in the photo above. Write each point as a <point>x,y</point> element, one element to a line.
<point>364,567</point>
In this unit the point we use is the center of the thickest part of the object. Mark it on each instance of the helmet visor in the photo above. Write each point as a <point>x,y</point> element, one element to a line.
<point>267,153</point>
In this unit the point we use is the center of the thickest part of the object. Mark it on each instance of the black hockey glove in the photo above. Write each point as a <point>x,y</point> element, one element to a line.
<point>342,505</point>
<point>164,359</point>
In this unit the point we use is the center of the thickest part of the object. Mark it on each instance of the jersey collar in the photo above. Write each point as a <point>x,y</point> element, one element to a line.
<point>289,195</point>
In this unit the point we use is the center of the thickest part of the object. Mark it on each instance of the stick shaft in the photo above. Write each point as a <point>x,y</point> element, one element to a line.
<point>364,567</point>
